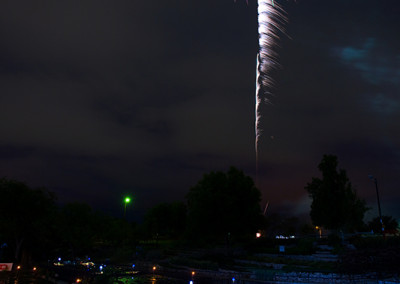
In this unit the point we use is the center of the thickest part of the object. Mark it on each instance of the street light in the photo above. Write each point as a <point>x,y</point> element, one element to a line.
<point>371,177</point>
<point>126,201</point>
<point>319,229</point>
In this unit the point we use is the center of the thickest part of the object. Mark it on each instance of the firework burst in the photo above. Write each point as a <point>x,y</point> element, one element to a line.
<point>271,18</point>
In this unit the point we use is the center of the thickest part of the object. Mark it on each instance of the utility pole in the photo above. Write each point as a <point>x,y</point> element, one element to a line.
<point>371,177</point>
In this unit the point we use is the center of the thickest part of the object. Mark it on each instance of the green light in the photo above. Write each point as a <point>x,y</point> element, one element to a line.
<point>127,200</point>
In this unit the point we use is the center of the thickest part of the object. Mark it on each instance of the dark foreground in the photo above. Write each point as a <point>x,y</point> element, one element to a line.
<point>144,274</point>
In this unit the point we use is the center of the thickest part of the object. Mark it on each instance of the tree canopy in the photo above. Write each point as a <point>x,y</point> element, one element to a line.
<point>335,204</point>
<point>25,216</point>
<point>224,203</point>
<point>33,227</point>
<point>166,220</point>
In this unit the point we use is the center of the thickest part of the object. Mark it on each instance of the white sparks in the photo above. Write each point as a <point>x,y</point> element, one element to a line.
<point>270,19</point>
<point>258,100</point>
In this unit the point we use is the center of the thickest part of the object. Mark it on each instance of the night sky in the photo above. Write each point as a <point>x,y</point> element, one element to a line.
<point>99,99</point>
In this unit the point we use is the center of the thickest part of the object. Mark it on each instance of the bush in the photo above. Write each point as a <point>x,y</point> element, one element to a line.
<point>334,240</point>
<point>303,246</point>
<point>373,254</point>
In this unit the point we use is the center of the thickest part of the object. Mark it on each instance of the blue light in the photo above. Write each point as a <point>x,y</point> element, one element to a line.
<point>101,267</point>
<point>233,279</point>
<point>133,266</point>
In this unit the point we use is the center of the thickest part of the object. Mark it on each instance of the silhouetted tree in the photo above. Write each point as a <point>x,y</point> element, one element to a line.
<point>166,220</point>
<point>76,228</point>
<point>222,204</point>
<point>81,231</point>
<point>335,204</point>
<point>25,217</point>
<point>112,232</point>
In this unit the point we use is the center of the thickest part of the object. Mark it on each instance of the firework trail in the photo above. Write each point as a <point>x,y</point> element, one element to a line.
<point>266,207</point>
<point>270,21</point>
<point>257,110</point>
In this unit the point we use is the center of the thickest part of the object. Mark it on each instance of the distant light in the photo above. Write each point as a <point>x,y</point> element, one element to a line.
<point>34,269</point>
<point>78,280</point>
<point>233,279</point>
<point>258,235</point>
<point>281,237</point>
<point>127,199</point>
<point>59,259</point>
<point>101,267</point>
<point>18,267</point>
<point>190,282</point>
<point>154,268</point>
<point>193,273</point>
<point>133,266</point>
<point>87,264</point>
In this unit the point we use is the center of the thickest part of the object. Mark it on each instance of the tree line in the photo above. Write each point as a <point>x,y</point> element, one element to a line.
<point>221,207</point>
<point>33,227</point>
